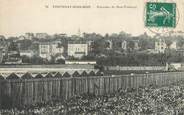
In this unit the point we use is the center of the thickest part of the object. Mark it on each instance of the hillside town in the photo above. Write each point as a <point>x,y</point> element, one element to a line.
<point>115,49</point>
<point>90,73</point>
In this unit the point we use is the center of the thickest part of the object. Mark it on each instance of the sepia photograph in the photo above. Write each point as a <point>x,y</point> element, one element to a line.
<point>91,57</point>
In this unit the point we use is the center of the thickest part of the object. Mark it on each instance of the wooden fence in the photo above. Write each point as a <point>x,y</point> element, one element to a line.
<point>138,68</point>
<point>20,92</point>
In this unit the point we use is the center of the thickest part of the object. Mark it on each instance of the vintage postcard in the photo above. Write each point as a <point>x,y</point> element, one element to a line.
<point>91,57</point>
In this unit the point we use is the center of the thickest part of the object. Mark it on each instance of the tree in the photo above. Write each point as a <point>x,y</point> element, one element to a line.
<point>26,59</point>
<point>13,46</point>
<point>180,42</point>
<point>145,43</point>
<point>37,60</point>
<point>61,61</point>
<point>131,45</point>
<point>52,59</point>
<point>25,44</point>
<point>168,43</point>
<point>99,46</point>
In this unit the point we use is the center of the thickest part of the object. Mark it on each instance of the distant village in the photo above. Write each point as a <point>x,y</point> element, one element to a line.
<point>115,49</point>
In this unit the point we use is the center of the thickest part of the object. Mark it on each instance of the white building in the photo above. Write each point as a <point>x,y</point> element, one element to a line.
<point>77,49</point>
<point>44,50</point>
<point>160,46</point>
<point>27,53</point>
<point>47,49</point>
<point>124,45</point>
<point>173,45</point>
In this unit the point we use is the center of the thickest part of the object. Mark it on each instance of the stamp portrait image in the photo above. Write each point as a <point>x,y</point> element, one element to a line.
<point>161,17</point>
<point>161,14</point>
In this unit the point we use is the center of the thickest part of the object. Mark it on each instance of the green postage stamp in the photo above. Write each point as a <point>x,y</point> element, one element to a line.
<point>160,14</point>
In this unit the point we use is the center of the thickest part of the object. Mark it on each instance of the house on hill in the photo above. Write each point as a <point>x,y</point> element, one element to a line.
<point>77,49</point>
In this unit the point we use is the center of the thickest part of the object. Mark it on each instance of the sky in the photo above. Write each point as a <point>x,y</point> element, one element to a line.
<point>21,16</point>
